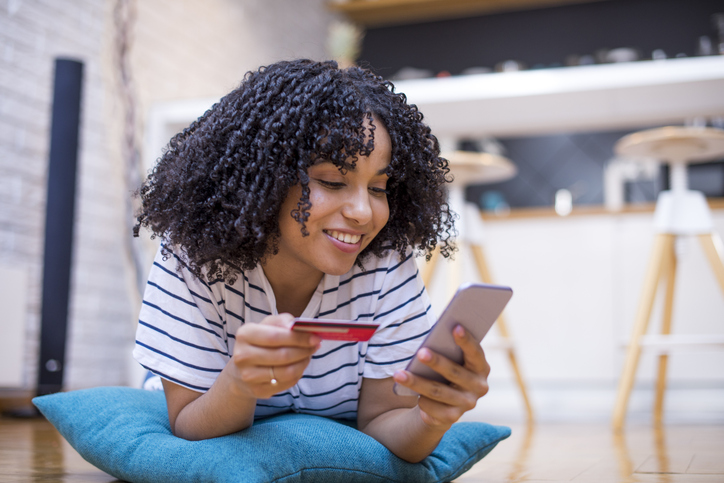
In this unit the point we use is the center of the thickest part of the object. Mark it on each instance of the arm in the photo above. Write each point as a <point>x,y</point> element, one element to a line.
<point>411,427</point>
<point>228,406</point>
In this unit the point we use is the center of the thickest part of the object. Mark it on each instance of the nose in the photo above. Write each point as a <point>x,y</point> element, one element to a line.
<point>357,207</point>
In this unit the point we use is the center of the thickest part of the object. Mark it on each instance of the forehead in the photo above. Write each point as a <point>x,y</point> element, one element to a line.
<point>376,140</point>
<point>378,167</point>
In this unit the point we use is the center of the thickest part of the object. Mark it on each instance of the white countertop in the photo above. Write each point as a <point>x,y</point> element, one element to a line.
<point>596,97</point>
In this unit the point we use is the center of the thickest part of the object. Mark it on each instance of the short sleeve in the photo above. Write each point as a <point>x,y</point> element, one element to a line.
<point>181,333</point>
<point>405,315</point>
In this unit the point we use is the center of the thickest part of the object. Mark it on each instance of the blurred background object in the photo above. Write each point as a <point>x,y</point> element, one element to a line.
<point>344,42</point>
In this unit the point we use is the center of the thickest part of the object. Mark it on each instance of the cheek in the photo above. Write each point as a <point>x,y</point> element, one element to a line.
<point>382,213</point>
<point>323,203</point>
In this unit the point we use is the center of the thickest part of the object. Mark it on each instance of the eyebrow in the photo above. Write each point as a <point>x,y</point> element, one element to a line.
<point>379,173</point>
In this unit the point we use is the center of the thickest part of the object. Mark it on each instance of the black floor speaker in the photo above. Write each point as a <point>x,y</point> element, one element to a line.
<point>59,223</point>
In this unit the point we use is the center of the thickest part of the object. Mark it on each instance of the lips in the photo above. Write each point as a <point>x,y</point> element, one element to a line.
<point>344,237</point>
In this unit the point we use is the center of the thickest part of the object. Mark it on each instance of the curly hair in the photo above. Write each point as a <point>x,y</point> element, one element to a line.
<point>217,190</point>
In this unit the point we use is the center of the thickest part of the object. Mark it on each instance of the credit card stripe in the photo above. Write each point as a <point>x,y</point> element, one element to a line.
<point>321,328</point>
<point>302,324</point>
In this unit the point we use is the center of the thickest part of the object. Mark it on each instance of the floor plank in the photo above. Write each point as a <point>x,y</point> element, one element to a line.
<point>593,453</point>
<point>31,450</point>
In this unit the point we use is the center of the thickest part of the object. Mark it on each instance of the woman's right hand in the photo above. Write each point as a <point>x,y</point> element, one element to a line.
<point>228,406</point>
<point>270,350</point>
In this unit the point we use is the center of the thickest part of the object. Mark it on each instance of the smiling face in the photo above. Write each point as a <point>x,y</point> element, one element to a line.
<point>348,211</point>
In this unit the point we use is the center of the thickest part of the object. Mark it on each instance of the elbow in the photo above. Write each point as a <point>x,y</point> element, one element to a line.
<point>202,431</point>
<point>412,458</point>
<point>180,431</point>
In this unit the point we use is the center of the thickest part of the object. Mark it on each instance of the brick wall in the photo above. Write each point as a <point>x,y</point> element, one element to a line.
<point>33,34</point>
<point>181,50</point>
<point>202,49</point>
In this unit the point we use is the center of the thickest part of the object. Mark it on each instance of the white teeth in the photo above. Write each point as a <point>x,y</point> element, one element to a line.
<point>345,237</point>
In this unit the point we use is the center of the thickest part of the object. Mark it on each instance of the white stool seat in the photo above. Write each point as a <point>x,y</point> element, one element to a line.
<point>469,167</point>
<point>675,144</point>
<point>679,211</point>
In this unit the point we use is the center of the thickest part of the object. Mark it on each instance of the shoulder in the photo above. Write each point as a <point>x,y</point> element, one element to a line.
<point>398,264</point>
<point>390,259</point>
<point>379,267</point>
<point>385,269</point>
<point>171,267</point>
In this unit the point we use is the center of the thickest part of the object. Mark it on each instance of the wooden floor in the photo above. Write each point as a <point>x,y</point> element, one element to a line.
<point>32,450</point>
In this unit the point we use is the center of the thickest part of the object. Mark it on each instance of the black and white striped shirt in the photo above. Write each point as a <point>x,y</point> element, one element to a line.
<point>186,329</point>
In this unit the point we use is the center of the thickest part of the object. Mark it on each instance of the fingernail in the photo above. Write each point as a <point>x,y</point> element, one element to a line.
<point>400,376</point>
<point>459,331</point>
<point>315,340</point>
<point>424,355</point>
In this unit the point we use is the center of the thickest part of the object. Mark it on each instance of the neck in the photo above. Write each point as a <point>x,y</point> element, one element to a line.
<point>292,292</point>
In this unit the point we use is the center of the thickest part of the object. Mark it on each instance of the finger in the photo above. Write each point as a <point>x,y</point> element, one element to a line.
<point>252,355</point>
<point>281,320</point>
<point>453,372</point>
<point>436,391</point>
<point>291,373</point>
<point>260,379</point>
<point>286,375</point>
<point>460,376</point>
<point>272,335</point>
<point>435,413</point>
<point>474,356</point>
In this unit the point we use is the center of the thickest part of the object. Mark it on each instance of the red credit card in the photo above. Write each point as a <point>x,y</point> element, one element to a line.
<point>336,329</point>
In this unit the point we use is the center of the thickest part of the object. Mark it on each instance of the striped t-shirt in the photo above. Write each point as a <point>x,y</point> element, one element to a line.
<point>186,329</point>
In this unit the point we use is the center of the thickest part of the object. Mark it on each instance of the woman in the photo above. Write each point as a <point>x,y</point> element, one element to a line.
<point>305,192</point>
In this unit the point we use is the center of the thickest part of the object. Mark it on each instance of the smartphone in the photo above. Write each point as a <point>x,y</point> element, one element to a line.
<point>336,329</point>
<point>475,306</point>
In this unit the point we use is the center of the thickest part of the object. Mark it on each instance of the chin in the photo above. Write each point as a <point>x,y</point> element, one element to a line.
<point>338,269</point>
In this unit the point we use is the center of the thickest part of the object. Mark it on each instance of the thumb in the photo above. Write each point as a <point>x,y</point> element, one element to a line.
<point>281,320</point>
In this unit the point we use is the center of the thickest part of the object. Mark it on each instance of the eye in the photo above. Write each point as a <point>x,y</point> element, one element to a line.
<point>331,184</point>
<point>379,191</point>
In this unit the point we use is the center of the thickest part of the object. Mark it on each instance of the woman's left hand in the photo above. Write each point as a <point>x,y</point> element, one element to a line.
<point>440,404</point>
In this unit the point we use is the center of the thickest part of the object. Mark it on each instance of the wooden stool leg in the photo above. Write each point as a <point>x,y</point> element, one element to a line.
<point>714,250</point>
<point>428,269</point>
<point>455,271</point>
<point>514,364</point>
<point>503,329</point>
<point>669,274</point>
<point>663,244</point>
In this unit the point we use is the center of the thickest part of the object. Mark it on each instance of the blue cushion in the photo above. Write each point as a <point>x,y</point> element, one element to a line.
<point>125,432</point>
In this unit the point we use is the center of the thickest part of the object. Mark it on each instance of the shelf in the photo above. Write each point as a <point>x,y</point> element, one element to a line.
<point>570,99</point>
<point>375,13</point>
<point>715,204</point>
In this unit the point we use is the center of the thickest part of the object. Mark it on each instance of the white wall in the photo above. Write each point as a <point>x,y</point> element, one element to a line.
<point>12,343</point>
<point>576,283</point>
